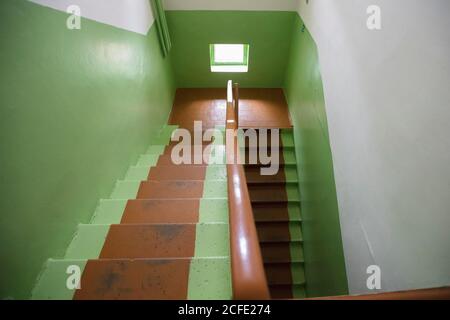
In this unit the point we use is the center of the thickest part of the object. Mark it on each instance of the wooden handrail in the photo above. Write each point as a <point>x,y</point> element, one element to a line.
<point>442,293</point>
<point>247,268</point>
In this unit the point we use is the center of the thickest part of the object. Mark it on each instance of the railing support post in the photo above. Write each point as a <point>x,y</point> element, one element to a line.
<point>236,103</point>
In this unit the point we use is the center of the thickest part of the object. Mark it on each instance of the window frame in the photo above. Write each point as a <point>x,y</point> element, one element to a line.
<point>222,64</point>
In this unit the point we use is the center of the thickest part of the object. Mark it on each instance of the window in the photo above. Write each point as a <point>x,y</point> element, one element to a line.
<point>229,57</point>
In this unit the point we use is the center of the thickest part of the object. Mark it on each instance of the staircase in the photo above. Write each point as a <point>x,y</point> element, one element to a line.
<point>163,234</point>
<point>276,207</point>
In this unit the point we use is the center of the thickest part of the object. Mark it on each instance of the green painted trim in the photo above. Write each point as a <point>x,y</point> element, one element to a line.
<point>126,190</point>
<point>210,279</point>
<point>289,156</point>
<point>296,250</point>
<point>295,230</point>
<point>138,173</point>
<point>298,273</point>
<point>287,138</point>
<point>163,29</point>
<point>212,240</point>
<point>87,242</point>
<point>292,191</point>
<point>290,172</point>
<point>299,291</point>
<point>52,282</point>
<point>213,210</point>
<point>216,172</point>
<point>148,160</point>
<point>109,212</point>
<point>215,189</point>
<point>294,209</point>
<point>156,149</point>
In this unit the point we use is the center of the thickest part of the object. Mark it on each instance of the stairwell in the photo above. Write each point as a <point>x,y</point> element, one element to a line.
<point>276,207</point>
<point>163,234</point>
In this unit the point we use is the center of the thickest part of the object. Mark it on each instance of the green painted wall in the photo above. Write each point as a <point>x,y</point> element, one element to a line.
<point>324,257</point>
<point>267,33</point>
<point>76,109</point>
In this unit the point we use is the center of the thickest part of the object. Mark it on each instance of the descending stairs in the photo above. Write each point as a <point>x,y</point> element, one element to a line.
<point>276,207</point>
<point>163,234</point>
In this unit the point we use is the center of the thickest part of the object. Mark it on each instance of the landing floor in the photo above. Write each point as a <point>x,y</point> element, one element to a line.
<point>258,108</point>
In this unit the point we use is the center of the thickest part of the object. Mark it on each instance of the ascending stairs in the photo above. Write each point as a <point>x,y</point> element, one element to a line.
<point>276,207</point>
<point>163,234</point>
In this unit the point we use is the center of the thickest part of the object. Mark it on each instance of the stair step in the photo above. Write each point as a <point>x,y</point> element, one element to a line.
<point>182,189</point>
<point>143,241</point>
<point>282,252</point>
<point>148,160</point>
<point>287,173</point>
<point>161,211</point>
<point>142,279</point>
<point>279,231</point>
<point>170,189</point>
<point>288,291</point>
<point>166,159</point>
<point>188,172</point>
<point>273,192</point>
<point>285,273</point>
<point>276,211</point>
<point>280,156</point>
<point>286,137</point>
<point>181,172</point>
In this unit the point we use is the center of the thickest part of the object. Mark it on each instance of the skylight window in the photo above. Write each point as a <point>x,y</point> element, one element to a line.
<point>229,57</point>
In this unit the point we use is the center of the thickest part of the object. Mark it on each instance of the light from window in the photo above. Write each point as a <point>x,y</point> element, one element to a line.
<point>229,57</point>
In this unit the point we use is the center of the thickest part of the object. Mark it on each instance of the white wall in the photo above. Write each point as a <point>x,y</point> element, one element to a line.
<point>131,15</point>
<point>256,5</point>
<point>388,104</point>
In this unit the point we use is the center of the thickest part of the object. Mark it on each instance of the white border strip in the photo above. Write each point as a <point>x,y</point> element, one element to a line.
<point>130,15</point>
<point>232,5</point>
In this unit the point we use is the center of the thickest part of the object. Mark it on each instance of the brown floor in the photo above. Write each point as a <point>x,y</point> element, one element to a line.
<point>258,108</point>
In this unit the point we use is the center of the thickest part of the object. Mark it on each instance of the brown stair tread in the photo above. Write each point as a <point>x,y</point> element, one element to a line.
<point>161,211</point>
<point>271,201</point>
<point>143,279</point>
<point>271,211</point>
<point>253,175</point>
<point>280,273</point>
<point>273,231</point>
<point>149,241</point>
<point>267,192</point>
<point>170,189</point>
<point>275,252</point>
<point>180,172</point>
<point>194,149</point>
<point>283,291</point>
<point>166,159</point>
